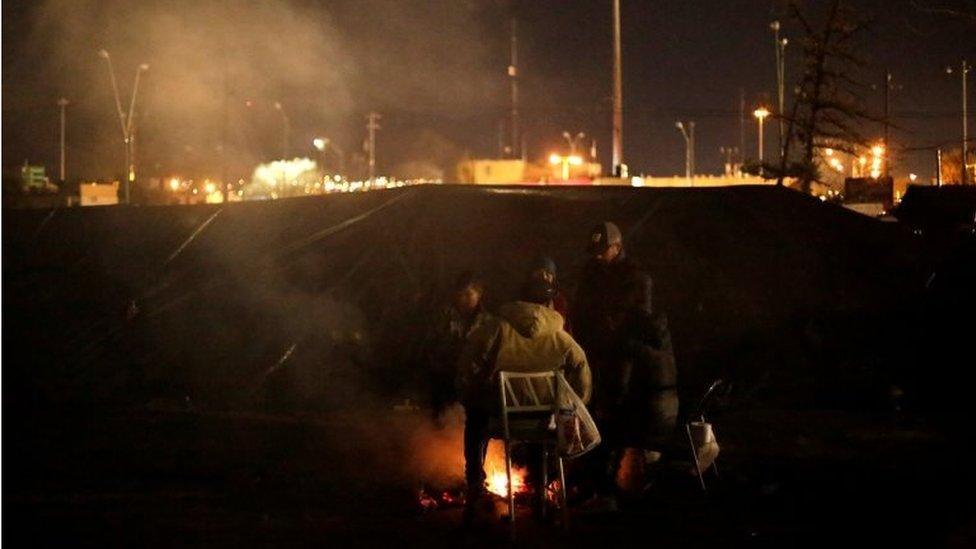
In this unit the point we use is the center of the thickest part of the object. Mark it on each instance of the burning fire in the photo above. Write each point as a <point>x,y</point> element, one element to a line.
<point>495,471</point>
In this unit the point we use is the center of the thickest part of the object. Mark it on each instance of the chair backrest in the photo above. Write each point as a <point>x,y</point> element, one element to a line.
<point>707,399</point>
<point>524,392</point>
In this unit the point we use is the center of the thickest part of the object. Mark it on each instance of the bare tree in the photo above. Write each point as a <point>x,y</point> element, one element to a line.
<point>827,109</point>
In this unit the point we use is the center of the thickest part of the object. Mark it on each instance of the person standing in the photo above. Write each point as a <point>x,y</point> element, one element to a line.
<point>610,315</point>
<point>449,331</point>
<point>544,268</point>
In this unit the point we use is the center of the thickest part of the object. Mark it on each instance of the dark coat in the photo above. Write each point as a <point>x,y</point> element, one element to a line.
<point>631,356</point>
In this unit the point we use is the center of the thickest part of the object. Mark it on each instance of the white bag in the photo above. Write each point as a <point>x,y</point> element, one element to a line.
<point>576,431</point>
<point>706,447</point>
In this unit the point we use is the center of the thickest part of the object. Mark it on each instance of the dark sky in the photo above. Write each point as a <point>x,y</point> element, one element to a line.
<point>435,69</point>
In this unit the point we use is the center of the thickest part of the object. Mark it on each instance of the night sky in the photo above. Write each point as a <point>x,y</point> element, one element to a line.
<point>435,69</point>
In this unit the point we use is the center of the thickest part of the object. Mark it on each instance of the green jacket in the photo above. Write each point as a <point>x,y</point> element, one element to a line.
<point>524,337</point>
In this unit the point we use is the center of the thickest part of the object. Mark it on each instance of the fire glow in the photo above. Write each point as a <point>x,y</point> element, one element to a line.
<point>495,472</point>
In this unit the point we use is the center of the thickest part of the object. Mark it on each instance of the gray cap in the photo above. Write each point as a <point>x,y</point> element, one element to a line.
<point>603,236</point>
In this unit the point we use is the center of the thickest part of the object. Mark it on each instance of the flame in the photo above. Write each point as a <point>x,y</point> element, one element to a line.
<point>495,471</point>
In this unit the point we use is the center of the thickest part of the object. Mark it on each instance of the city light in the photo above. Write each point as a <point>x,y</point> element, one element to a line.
<point>320,143</point>
<point>566,162</point>
<point>877,157</point>
<point>174,184</point>
<point>761,113</point>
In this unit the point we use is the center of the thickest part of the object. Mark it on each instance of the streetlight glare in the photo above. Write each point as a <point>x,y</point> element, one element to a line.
<point>144,67</point>
<point>761,112</point>
<point>103,54</point>
<point>320,143</point>
<point>555,159</point>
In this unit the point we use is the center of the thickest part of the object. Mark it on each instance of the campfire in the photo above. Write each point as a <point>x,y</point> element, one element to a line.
<point>496,482</point>
<point>495,471</point>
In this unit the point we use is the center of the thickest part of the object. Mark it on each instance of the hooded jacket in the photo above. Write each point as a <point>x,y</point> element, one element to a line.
<point>525,337</point>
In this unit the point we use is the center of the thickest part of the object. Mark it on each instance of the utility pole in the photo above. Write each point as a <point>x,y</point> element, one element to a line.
<point>618,169</point>
<point>965,120</point>
<point>62,103</point>
<point>372,124</point>
<point>688,132</point>
<point>938,167</point>
<point>742,125</point>
<point>128,130</point>
<point>513,76</point>
<point>780,85</point>
<point>887,115</point>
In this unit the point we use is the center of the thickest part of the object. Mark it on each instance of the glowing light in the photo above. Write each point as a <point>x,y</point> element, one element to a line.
<point>877,150</point>
<point>174,184</point>
<point>761,113</point>
<point>636,181</point>
<point>912,177</point>
<point>497,480</point>
<point>555,159</point>
<point>575,160</point>
<point>829,152</point>
<point>320,143</point>
<point>209,187</point>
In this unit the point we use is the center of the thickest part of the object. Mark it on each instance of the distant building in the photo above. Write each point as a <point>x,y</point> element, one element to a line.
<point>98,194</point>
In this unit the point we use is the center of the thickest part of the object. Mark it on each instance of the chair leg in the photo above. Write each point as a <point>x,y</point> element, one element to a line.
<point>563,492</point>
<point>694,456</point>
<point>511,492</point>
<point>543,493</point>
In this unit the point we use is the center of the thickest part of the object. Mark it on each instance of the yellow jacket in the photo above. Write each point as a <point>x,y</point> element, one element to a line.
<point>525,337</point>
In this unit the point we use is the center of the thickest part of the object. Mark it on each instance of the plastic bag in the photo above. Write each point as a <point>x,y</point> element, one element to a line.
<point>576,431</point>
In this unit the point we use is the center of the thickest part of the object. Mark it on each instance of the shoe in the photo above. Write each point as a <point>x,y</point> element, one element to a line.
<point>598,505</point>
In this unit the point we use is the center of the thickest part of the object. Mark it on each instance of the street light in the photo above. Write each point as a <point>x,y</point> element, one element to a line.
<point>322,144</point>
<point>566,162</point>
<point>126,122</point>
<point>689,136</point>
<point>573,141</point>
<point>761,113</point>
<point>62,103</point>
<point>729,153</point>
<point>285,128</point>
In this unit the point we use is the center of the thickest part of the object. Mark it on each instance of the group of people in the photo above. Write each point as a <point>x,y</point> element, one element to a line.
<point>609,343</point>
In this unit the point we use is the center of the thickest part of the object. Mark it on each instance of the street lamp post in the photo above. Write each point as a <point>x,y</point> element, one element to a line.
<point>323,144</point>
<point>780,45</point>
<point>761,113</point>
<point>618,168</point>
<point>62,103</point>
<point>573,141</point>
<point>729,153</point>
<point>285,129</point>
<point>689,136</point>
<point>126,122</point>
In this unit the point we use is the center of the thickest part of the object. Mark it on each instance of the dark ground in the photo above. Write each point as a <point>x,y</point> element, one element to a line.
<point>191,478</point>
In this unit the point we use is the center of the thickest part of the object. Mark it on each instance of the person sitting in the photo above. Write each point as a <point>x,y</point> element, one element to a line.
<point>527,336</point>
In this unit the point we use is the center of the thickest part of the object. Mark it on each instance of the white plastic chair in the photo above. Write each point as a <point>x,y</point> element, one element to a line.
<point>529,406</point>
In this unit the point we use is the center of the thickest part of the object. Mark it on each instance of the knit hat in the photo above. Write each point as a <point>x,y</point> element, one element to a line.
<point>543,262</point>
<point>603,236</point>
